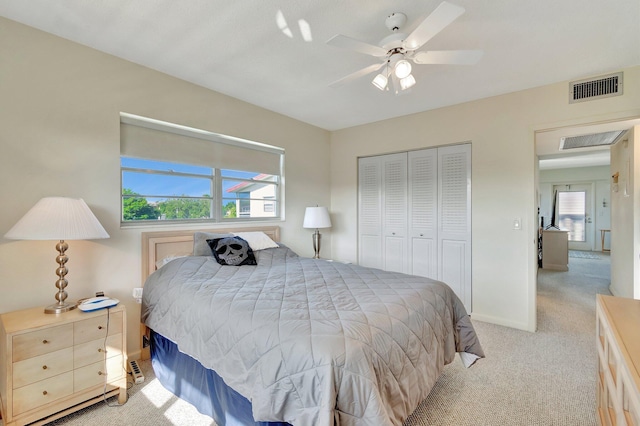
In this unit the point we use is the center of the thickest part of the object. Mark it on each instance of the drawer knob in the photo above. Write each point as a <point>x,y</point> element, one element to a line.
<point>99,349</point>
<point>44,367</point>
<point>44,392</point>
<point>100,373</point>
<point>99,327</point>
<point>45,341</point>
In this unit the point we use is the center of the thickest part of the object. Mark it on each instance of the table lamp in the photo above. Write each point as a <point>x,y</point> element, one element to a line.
<point>316,217</point>
<point>58,218</point>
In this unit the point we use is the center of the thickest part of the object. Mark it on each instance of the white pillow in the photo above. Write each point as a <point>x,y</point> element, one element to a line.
<point>160,263</point>
<point>257,240</point>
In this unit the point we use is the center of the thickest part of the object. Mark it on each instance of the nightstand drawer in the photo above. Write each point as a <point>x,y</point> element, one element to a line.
<point>96,328</point>
<point>34,343</point>
<point>91,352</point>
<point>42,367</point>
<point>94,374</point>
<point>33,396</point>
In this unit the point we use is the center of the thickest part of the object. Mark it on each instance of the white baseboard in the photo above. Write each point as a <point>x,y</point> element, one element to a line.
<point>501,321</point>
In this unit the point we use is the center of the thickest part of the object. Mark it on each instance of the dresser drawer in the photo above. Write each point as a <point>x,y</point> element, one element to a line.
<point>43,392</point>
<point>42,367</point>
<point>34,343</point>
<point>94,374</point>
<point>96,328</point>
<point>94,351</point>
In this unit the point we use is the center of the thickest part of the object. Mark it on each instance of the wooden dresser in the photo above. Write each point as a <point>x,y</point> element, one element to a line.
<point>618,332</point>
<point>55,364</point>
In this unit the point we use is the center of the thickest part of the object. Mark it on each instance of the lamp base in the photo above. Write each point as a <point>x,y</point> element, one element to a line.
<point>58,308</point>
<point>316,244</point>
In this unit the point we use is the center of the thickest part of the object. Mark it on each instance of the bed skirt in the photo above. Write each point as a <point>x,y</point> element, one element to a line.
<point>203,388</point>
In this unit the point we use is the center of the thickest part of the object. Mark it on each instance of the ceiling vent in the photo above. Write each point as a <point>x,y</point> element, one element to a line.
<point>587,141</point>
<point>598,88</point>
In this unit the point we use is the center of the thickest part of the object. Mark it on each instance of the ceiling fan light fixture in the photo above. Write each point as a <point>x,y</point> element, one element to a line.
<point>380,81</point>
<point>402,69</point>
<point>407,82</point>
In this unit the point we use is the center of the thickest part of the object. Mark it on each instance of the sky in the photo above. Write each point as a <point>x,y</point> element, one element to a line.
<point>157,184</point>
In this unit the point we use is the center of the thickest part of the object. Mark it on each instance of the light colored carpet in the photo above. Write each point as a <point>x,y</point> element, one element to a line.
<point>533,379</point>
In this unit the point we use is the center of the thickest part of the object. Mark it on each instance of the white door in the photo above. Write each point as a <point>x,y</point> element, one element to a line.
<point>454,219</point>
<point>574,212</point>
<point>423,213</point>
<point>370,212</point>
<point>394,212</point>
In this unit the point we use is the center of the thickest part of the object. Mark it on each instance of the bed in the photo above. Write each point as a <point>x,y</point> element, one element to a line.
<point>293,340</point>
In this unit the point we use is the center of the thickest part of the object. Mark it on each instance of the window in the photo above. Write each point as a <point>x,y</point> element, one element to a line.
<point>173,173</point>
<point>572,214</point>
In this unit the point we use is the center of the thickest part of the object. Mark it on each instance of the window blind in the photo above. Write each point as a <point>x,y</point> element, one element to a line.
<point>156,140</point>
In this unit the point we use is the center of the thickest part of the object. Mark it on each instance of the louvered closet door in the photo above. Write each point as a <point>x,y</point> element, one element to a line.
<point>394,213</point>
<point>370,212</point>
<point>423,213</point>
<point>454,218</point>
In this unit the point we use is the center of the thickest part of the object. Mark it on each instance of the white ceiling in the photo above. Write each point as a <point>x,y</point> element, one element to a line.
<point>240,48</point>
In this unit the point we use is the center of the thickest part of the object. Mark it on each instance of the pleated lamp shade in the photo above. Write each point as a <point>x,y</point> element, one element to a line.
<point>58,218</point>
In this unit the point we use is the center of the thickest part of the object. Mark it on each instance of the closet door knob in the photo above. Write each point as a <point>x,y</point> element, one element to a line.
<point>44,367</point>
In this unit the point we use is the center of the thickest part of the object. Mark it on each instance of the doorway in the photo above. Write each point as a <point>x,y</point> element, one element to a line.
<point>575,214</point>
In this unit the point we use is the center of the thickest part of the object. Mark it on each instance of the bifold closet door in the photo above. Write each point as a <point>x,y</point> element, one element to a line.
<point>414,214</point>
<point>454,219</point>
<point>423,213</point>
<point>382,212</point>
<point>370,212</point>
<point>394,212</point>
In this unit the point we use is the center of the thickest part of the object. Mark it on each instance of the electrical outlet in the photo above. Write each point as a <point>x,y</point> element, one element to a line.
<point>137,293</point>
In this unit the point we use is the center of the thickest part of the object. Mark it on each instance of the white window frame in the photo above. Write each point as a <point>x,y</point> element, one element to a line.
<point>217,195</point>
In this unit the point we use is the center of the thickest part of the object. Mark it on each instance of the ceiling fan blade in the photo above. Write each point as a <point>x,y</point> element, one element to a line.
<point>452,57</point>
<point>444,14</point>
<point>357,74</point>
<point>357,45</point>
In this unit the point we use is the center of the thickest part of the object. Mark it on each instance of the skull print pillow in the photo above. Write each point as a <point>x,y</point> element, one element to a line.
<point>232,251</point>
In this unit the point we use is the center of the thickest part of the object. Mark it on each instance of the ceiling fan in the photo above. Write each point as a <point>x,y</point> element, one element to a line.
<point>398,50</point>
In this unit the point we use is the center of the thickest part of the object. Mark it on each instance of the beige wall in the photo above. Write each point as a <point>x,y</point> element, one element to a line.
<point>501,130</point>
<point>59,135</point>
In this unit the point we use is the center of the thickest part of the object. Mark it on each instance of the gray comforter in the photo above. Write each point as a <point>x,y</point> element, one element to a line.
<point>308,341</point>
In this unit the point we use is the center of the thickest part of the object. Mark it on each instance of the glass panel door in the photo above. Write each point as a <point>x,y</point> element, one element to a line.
<point>574,215</point>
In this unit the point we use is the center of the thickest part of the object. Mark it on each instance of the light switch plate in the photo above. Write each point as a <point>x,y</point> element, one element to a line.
<point>517,224</point>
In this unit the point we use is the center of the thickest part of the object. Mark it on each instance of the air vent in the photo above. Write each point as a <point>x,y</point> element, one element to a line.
<point>590,89</point>
<point>586,141</point>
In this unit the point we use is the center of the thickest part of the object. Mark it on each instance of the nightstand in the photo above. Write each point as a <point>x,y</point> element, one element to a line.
<point>54,364</point>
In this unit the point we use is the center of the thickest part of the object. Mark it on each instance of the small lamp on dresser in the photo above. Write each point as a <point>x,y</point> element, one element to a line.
<point>58,218</point>
<point>316,217</point>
